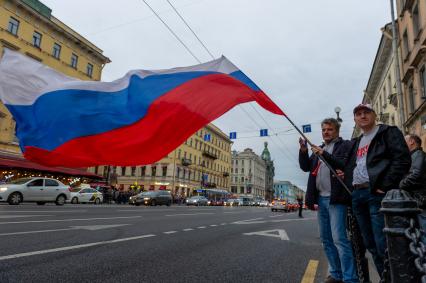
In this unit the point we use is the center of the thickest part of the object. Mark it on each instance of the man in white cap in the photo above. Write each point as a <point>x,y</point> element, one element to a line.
<point>376,163</point>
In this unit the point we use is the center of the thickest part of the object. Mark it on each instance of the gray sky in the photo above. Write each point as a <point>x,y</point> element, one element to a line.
<point>308,56</point>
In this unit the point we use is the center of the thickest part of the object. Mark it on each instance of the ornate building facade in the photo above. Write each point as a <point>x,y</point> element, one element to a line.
<point>269,173</point>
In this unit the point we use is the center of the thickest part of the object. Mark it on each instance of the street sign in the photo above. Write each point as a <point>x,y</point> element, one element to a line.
<point>207,137</point>
<point>306,128</point>
<point>263,132</point>
<point>233,135</point>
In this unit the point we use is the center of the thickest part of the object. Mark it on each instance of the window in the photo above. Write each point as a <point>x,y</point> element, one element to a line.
<point>56,52</point>
<point>164,168</point>
<point>153,171</point>
<point>133,172</point>
<point>123,171</point>
<point>405,44</point>
<point>89,70</point>
<point>13,26</point>
<point>242,179</point>
<point>423,81</point>
<point>51,183</point>
<point>411,98</point>
<point>143,171</point>
<point>74,61</point>
<point>242,170</point>
<point>36,183</point>
<point>416,21</point>
<point>37,39</point>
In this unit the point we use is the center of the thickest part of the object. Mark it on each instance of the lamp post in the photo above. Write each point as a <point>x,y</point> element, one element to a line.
<point>337,109</point>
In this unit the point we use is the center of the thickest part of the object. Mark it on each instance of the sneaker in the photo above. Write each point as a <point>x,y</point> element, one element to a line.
<point>330,279</point>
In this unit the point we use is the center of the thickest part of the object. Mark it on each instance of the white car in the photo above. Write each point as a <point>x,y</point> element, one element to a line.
<point>87,195</point>
<point>38,189</point>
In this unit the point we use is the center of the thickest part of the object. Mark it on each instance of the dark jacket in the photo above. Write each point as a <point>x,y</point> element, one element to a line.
<point>388,159</point>
<point>338,194</point>
<point>415,180</point>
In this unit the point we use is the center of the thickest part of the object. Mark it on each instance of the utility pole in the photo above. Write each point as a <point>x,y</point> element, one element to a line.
<point>397,69</point>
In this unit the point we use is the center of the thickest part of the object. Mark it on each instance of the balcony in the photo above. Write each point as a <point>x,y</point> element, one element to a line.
<point>186,162</point>
<point>209,155</point>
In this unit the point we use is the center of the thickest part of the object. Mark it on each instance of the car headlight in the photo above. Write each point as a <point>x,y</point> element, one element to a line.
<point>3,189</point>
<point>145,198</point>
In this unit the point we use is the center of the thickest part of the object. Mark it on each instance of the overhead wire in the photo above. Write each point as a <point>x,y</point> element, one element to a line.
<point>175,35</point>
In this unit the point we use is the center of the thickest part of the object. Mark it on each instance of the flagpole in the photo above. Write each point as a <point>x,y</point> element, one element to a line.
<point>320,156</point>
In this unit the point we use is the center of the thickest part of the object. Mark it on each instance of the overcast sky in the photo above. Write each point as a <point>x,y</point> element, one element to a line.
<point>308,56</point>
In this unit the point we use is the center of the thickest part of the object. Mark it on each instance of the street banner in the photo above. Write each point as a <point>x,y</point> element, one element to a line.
<point>135,120</point>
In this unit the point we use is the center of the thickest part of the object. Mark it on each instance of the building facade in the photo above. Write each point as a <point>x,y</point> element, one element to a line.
<point>381,90</point>
<point>248,174</point>
<point>202,162</point>
<point>285,190</point>
<point>412,38</point>
<point>28,26</point>
<point>269,173</point>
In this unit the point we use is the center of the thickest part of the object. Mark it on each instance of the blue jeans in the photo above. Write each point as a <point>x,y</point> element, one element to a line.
<point>338,249</point>
<point>366,207</point>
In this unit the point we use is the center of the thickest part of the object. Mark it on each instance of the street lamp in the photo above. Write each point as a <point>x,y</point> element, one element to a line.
<point>337,109</point>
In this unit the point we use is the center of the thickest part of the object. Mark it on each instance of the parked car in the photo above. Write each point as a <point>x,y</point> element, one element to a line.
<point>232,202</point>
<point>197,200</point>
<point>39,190</point>
<point>152,198</point>
<point>278,205</point>
<point>264,203</point>
<point>217,202</point>
<point>87,195</point>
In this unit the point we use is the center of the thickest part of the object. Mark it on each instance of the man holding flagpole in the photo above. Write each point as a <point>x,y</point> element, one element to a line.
<point>324,190</point>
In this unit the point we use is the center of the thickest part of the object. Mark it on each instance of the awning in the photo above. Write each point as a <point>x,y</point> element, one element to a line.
<point>16,162</point>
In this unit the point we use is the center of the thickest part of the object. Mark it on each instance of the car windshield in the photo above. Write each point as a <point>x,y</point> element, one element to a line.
<point>147,194</point>
<point>20,181</point>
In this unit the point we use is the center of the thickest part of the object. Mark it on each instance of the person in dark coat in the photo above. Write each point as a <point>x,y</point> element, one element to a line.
<point>325,190</point>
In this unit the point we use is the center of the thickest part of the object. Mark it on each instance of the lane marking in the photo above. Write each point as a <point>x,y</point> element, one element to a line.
<point>42,211</point>
<point>213,225</point>
<point>187,229</point>
<point>282,234</point>
<point>221,224</point>
<point>310,272</point>
<point>187,214</point>
<point>294,219</point>
<point>272,216</point>
<point>234,212</point>
<point>201,227</point>
<point>67,220</point>
<point>170,232</point>
<point>272,221</point>
<point>74,247</point>
<point>20,216</point>
<point>89,228</point>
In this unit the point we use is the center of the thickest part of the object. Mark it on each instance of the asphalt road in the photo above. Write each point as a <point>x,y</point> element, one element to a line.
<point>122,243</point>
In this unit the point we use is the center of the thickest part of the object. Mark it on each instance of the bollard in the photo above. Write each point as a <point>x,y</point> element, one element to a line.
<point>398,208</point>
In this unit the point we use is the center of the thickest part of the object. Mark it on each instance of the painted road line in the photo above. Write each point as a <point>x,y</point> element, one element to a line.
<point>272,216</point>
<point>143,210</point>
<point>310,272</point>
<point>201,227</point>
<point>246,222</point>
<point>20,216</point>
<point>294,219</point>
<point>221,224</point>
<point>213,225</point>
<point>170,232</point>
<point>42,211</point>
<point>188,214</point>
<point>88,228</point>
<point>276,233</point>
<point>74,247</point>
<point>234,212</point>
<point>187,229</point>
<point>67,220</point>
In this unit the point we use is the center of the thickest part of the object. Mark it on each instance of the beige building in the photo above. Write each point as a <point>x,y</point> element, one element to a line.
<point>381,90</point>
<point>28,26</point>
<point>248,174</point>
<point>412,22</point>
<point>206,153</point>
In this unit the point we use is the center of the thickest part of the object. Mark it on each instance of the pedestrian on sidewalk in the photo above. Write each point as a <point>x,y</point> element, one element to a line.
<point>415,181</point>
<point>300,202</point>
<point>376,163</point>
<point>332,200</point>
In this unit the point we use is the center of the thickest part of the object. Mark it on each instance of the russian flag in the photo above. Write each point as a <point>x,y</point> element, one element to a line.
<point>135,120</point>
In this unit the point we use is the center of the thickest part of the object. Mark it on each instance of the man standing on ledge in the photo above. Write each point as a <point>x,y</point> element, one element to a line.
<point>376,163</point>
<point>332,199</point>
